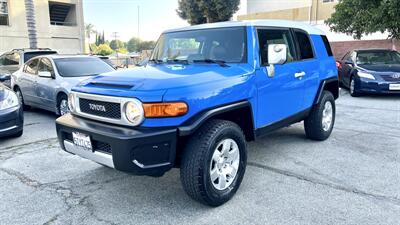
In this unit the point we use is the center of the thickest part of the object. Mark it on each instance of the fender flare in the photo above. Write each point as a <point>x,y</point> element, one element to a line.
<point>199,119</point>
<point>323,84</point>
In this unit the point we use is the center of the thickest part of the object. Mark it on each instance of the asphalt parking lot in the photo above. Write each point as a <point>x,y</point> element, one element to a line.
<point>352,178</point>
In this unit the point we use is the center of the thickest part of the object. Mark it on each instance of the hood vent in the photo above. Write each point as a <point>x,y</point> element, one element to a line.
<point>108,85</point>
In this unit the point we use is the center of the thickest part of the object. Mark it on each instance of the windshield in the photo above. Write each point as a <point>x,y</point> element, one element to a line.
<point>221,44</point>
<point>79,67</point>
<point>378,57</point>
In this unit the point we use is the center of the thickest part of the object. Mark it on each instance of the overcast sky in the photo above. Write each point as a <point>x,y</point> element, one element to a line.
<point>122,16</point>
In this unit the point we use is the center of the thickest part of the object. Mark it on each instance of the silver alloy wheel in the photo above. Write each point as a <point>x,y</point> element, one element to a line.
<point>327,116</point>
<point>352,86</point>
<point>224,164</point>
<point>64,109</point>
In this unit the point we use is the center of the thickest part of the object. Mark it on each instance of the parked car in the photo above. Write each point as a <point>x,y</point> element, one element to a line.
<point>11,112</point>
<point>107,60</point>
<point>13,60</point>
<point>206,90</point>
<point>370,71</point>
<point>45,81</point>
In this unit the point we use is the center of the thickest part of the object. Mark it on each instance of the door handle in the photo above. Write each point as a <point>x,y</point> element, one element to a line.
<point>300,74</point>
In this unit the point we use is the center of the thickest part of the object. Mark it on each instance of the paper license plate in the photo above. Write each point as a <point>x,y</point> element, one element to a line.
<point>394,87</point>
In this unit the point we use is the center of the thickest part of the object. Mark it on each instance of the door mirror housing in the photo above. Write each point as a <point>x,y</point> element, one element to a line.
<point>349,62</point>
<point>277,55</point>
<point>45,74</point>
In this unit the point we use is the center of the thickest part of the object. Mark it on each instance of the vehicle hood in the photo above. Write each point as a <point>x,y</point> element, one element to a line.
<point>158,79</point>
<point>386,68</point>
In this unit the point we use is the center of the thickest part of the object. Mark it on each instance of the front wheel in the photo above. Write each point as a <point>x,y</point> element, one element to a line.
<point>214,162</point>
<point>21,99</point>
<point>62,107</point>
<point>353,88</point>
<point>319,123</point>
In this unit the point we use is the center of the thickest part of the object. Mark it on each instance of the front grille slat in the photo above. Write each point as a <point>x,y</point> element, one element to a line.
<point>390,78</point>
<point>109,110</point>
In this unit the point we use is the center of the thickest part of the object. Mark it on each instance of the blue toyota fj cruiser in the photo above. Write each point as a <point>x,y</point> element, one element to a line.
<point>206,90</point>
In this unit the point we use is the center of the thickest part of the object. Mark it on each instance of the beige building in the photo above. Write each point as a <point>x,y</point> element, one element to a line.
<point>314,12</point>
<point>59,25</point>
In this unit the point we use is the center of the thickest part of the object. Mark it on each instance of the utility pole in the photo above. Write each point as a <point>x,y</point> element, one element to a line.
<point>138,21</point>
<point>115,35</point>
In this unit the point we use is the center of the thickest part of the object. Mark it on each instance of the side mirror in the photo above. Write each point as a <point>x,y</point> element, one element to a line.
<point>5,77</point>
<point>349,62</point>
<point>44,74</point>
<point>277,54</point>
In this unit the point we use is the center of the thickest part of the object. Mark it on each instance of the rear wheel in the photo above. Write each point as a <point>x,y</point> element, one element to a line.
<point>319,124</point>
<point>214,162</point>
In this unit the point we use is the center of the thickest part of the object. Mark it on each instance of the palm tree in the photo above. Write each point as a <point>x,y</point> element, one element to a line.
<point>89,29</point>
<point>31,23</point>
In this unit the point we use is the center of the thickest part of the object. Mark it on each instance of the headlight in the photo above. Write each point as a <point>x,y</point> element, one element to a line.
<point>10,100</point>
<point>134,112</point>
<point>71,102</point>
<point>366,75</point>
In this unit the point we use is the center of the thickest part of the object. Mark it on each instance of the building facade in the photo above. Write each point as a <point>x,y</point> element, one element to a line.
<point>314,12</point>
<point>59,25</point>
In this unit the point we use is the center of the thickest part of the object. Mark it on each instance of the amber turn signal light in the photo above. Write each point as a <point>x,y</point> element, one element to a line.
<point>172,109</point>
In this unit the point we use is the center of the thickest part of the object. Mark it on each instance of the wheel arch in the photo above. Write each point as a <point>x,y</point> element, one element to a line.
<point>331,85</point>
<point>240,113</point>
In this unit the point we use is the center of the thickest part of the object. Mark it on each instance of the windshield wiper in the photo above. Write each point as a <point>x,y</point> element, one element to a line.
<point>156,61</point>
<point>183,61</point>
<point>219,62</point>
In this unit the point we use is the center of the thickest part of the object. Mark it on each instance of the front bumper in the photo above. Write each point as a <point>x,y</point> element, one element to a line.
<point>11,121</point>
<point>138,151</point>
<point>376,86</point>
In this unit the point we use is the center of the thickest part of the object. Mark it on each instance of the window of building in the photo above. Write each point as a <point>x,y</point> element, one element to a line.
<point>3,12</point>
<point>62,14</point>
<point>273,36</point>
<point>306,50</point>
<point>327,1</point>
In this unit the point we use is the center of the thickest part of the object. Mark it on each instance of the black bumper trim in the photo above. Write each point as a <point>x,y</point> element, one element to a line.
<point>139,151</point>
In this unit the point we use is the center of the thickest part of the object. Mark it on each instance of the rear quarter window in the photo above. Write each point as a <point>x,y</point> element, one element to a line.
<point>305,47</point>
<point>327,45</point>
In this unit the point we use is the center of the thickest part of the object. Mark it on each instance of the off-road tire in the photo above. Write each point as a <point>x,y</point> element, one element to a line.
<point>195,165</point>
<point>313,123</point>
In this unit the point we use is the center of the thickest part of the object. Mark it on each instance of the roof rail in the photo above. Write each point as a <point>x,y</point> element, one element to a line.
<point>23,49</point>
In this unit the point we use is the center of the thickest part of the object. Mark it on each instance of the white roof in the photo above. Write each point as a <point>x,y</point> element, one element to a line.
<point>254,23</point>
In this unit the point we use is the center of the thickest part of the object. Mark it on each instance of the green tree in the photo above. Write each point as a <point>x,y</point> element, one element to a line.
<point>116,44</point>
<point>104,49</point>
<point>362,17</point>
<point>133,44</point>
<point>207,11</point>
<point>146,45</point>
<point>122,50</point>
<point>89,30</point>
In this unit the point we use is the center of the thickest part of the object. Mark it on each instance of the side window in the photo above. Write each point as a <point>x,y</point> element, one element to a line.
<point>305,48</point>
<point>2,60</point>
<point>10,59</point>
<point>45,66</point>
<point>31,66</point>
<point>274,36</point>
<point>327,45</point>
